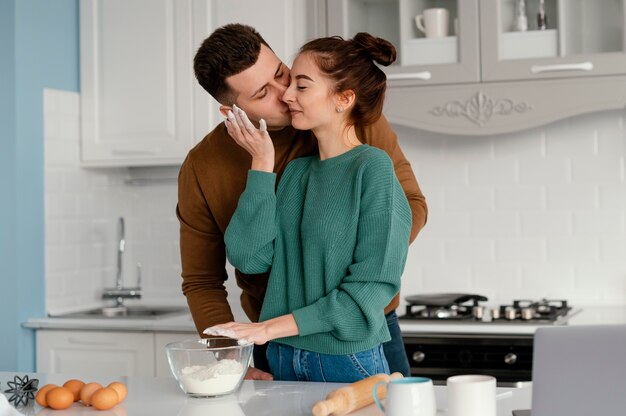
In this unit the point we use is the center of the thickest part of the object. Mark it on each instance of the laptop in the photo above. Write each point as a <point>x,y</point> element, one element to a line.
<point>578,371</point>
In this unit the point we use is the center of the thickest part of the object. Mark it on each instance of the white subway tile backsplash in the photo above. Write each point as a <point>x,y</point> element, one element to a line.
<point>482,172</point>
<point>572,197</point>
<point>535,213</point>
<point>82,208</point>
<point>604,169</point>
<point>546,223</point>
<point>553,170</point>
<point>520,251</point>
<point>469,199</point>
<point>520,198</point>
<point>495,224</point>
<point>468,251</point>
<point>594,223</point>
<point>582,249</point>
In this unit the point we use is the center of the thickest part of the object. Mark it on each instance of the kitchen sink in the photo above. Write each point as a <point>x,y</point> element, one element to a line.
<point>127,312</point>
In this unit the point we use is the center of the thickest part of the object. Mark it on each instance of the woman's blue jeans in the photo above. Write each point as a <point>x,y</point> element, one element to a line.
<point>294,364</point>
<point>394,350</point>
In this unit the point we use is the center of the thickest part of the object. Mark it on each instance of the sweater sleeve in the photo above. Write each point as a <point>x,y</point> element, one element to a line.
<point>381,135</point>
<point>250,235</point>
<point>355,308</point>
<point>202,253</point>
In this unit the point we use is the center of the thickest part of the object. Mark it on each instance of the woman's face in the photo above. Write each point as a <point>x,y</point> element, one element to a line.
<point>310,96</point>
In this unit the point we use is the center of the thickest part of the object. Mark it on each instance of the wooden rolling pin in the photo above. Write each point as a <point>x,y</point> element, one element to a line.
<point>355,396</point>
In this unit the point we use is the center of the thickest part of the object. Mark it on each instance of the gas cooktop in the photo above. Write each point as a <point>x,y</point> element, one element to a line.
<point>463,307</point>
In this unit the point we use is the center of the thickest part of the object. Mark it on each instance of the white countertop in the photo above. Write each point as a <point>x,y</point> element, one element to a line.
<point>586,315</point>
<point>170,323</point>
<point>162,397</point>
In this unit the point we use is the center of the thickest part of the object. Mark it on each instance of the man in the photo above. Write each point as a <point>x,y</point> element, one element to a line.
<point>236,66</point>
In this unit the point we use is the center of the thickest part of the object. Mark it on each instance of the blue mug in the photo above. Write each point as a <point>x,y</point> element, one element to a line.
<point>409,396</point>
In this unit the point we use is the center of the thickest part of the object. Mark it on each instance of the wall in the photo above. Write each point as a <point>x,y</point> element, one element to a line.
<point>82,209</point>
<point>539,213</point>
<point>8,285</point>
<point>39,49</point>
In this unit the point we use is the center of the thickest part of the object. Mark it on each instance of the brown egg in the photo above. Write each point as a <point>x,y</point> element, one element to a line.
<point>87,391</point>
<point>75,386</point>
<point>105,398</point>
<point>40,398</point>
<point>59,398</point>
<point>120,388</point>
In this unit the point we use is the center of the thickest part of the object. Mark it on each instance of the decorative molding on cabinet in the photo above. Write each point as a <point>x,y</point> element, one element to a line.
<point>480,107</point>
<point>526,104</point>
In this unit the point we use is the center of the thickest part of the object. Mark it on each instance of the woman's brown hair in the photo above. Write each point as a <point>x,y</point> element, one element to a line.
<point>351,65</point>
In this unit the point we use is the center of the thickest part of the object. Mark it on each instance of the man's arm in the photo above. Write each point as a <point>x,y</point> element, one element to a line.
<point>382,136</point>
<point>202,254</point>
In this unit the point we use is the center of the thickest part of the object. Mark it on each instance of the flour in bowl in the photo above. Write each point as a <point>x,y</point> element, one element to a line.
<point>211,380</point>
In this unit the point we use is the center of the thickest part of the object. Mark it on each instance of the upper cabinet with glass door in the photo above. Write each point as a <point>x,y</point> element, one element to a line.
<point>476,67</point>
<point>436,40</point>
<point>537,39</point>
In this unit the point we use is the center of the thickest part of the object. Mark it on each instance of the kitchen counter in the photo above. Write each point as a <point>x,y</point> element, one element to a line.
<point>171,323</point>
<point>585,315</point>
<point>162,396</point>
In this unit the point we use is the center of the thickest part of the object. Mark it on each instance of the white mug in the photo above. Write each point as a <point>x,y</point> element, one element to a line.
<point>409,396</point>
<point>471,395</point>
<point>433,22</point>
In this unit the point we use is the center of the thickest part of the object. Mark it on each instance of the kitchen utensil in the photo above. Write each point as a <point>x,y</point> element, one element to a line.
<point>411,396</point>
<point>355,396</point>
<point>443,299</point>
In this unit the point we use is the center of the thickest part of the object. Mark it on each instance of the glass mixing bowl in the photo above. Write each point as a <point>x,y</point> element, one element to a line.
<point>209,367</point>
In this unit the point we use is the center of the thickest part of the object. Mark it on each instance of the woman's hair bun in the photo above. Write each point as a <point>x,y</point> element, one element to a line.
<point>380,50</point>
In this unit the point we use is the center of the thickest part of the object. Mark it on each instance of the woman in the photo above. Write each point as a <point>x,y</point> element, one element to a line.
<point>335,233</point>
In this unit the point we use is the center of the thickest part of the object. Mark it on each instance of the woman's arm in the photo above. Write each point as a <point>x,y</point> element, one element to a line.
<point>259,333</point>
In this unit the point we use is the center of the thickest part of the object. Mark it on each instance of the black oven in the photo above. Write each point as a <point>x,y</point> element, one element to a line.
<point>439,356</point>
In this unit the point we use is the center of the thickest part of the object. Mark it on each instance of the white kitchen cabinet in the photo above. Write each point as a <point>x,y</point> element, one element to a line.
<point>140,102</point>
<point>486,77</point>
<point>94,352</point>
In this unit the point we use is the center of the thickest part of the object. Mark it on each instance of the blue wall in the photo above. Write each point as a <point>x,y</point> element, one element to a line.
<point>39,49</point>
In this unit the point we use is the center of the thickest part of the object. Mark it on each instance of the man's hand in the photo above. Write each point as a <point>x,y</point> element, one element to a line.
<point>256,374</point>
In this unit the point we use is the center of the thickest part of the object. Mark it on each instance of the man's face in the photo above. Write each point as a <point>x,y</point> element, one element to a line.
<point>260,88</point>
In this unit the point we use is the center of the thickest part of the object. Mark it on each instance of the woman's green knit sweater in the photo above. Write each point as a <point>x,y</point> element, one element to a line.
<point>335,235</point>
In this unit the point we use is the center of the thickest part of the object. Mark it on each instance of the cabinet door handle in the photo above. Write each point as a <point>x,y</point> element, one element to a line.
<point>72,340</point>
<point>583,66</point>
<point>134,152</point>
<point>425,75</point>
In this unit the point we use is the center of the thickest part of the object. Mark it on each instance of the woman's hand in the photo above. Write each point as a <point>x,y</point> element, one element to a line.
<point>258,333</point>
<point>255,141</point>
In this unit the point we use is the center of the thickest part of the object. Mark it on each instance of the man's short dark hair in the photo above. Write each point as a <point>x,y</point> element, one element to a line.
<point>229,50</point>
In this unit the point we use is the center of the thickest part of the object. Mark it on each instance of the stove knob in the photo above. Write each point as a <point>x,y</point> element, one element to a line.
<point>495,313</point>
<point>478,312</point>
<point>510,358</point>
<point>510,313</point>
<point>419,356</point>
<point>528,314</point>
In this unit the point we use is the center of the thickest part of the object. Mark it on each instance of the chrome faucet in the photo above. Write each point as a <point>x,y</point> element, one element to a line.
<point>119,293</point>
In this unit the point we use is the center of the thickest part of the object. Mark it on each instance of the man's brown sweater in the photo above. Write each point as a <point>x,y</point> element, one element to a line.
<point>210,182</point>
